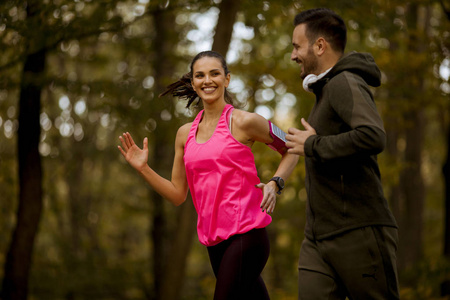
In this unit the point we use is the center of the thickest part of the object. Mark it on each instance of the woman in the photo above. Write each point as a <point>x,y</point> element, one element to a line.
<point>213,159</point>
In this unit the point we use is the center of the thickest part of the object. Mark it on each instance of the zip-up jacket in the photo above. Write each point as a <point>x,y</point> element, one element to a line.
<point>343,181</point>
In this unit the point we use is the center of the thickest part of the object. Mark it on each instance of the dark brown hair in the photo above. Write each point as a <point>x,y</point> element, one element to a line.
<point>326,23</point>
<point>183,87</point>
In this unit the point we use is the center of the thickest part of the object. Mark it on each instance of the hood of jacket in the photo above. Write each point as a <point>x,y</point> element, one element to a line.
<point>362,64</point>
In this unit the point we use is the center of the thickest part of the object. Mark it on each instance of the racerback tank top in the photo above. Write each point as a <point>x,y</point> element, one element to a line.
<point>221,174</point>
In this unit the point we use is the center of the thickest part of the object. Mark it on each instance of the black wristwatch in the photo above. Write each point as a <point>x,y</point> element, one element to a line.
<point>280,183</point>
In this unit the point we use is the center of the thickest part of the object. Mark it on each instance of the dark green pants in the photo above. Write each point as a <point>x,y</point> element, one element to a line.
<point>358,264</point>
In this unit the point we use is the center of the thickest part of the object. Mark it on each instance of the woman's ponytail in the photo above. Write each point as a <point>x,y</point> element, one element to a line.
<point>182,89</point>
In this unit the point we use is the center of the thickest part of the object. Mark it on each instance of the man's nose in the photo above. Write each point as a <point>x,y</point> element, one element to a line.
<point>293,55</point>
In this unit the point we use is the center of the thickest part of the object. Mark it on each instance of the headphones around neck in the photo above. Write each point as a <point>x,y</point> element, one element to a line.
<point>312,78</point>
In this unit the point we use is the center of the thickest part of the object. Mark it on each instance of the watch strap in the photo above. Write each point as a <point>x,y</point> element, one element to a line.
<point>277,180</point>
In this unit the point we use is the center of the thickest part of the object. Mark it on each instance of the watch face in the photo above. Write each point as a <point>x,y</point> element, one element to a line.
<point>281,182</point>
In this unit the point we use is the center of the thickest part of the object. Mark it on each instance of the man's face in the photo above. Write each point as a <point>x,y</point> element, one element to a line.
<point>303,52</point>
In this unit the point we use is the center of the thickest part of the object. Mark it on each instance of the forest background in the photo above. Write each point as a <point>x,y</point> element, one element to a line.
<point>76,222</point>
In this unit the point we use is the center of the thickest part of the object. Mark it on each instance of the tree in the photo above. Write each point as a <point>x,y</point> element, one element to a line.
<point>445,287</point>
<point>162,146</point>
<point>224,27</point>
<point>169,265</point>
<point>18,262</point>
<point>411,180</point>
<point>34,52</point>
<point>102,231</point>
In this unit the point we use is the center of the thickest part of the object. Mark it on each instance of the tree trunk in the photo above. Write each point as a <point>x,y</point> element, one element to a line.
<point>162,144</point>
<point>411,179</point>
<point>395,199</point>
<point>413,189</point>
<point>179,251</point>
<point>445,286</point>
<point>18,260</point>
<point>170,259</point>
<point>224,28</point>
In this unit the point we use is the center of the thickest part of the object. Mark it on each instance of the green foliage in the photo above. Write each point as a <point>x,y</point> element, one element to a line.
<point>424,279</point>
<point>94,240</point>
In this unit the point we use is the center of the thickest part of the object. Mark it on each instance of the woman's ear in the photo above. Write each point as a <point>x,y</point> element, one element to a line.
<point>228,78</point>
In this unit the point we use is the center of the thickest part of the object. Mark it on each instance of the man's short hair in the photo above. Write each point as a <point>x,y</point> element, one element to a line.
<point>323,22</point>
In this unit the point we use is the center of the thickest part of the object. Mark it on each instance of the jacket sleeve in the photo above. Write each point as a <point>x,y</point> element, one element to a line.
<point>350,98</point>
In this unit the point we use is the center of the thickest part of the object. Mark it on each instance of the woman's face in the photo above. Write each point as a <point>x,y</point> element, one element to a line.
<point>209,79</point>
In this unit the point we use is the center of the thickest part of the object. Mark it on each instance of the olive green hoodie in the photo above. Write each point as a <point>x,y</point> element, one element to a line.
<point>342,175</point>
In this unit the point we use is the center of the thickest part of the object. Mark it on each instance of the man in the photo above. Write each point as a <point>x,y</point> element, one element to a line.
<point>350,234</point>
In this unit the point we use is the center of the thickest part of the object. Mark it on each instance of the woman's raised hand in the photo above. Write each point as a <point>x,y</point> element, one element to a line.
<point>134,155</point>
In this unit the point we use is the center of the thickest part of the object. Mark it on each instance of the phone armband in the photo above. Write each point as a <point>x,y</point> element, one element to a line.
<point>279,139</point>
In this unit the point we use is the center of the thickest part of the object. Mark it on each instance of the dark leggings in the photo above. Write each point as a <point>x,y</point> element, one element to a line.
<point>238,263</point>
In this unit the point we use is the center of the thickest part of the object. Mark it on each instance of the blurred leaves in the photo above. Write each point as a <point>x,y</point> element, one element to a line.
<point>100,81</point>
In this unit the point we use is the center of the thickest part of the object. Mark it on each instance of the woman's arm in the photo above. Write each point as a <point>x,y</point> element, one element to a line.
<point>287,165</point>
<point>174,190</point>
<point>251,127</point>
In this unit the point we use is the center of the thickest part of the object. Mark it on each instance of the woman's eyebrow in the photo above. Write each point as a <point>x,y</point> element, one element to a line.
<point>213,70</point>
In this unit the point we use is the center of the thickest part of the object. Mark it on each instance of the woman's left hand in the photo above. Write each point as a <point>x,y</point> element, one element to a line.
<point>269,197</point>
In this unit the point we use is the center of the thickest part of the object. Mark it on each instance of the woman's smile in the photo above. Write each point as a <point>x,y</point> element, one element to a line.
<point>209,89</point>
<point>209,79</point>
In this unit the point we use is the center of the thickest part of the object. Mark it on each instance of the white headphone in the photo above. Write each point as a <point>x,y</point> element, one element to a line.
<point>312,78</point>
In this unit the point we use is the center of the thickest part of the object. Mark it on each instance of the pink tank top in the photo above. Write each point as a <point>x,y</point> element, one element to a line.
<point>221,174</point>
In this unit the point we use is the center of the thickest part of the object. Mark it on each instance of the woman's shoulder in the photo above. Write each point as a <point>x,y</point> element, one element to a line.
<point>245,119</point>
<point>183,132</point>
<point>184,129</point>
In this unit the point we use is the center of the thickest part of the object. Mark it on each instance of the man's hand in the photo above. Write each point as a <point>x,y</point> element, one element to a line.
<point>296,138</point>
